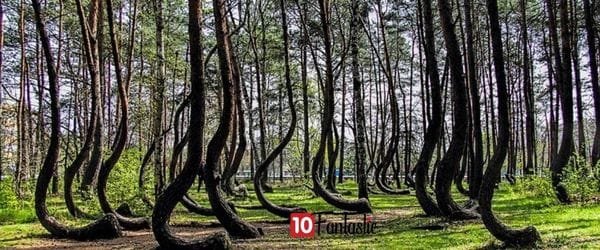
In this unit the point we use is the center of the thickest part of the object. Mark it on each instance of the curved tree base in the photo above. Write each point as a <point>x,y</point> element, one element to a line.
<point>526,237</point>
<point>193,207</point>
<point>161,213</point>
<point>464,214</point>
<point>472,204</point>
<point>257,207</point>
<point>430,208</point>
<point>146,200</point>
<point>235,226</point>
<point>562,194</point>
<point>105,228</point>
<point>281,211</point>
<point>128,223</point>
<point>267,188</point>
<point>394,192</point>
<point>372,190</point>
<point>426,201</point>
<point>124,209</point>
<point>385,189</point>
<point>74,210</point>
<point>133,224</point>
<point>216,241</point>
<point>361,205</point>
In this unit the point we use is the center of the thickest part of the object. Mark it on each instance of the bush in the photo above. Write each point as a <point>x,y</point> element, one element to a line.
<point>122,183</point>
<point>533,186</point>
<point>8,197</point>
<point>12,209</point>
<point>580,180</point>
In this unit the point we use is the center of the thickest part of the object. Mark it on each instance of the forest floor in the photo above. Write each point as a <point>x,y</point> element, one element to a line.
<point>400,224</point>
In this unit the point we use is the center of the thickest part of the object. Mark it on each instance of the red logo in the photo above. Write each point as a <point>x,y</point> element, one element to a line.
<point>302,225</point>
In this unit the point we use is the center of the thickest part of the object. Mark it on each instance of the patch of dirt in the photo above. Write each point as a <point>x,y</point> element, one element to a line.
<point>276,235</point>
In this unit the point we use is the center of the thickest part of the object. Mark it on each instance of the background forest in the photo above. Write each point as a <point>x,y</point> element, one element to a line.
<point>120,110</point>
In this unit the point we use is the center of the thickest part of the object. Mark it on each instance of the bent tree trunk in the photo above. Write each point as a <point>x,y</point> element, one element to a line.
<point>92,130</point>
<point>451,160</point>
<point>92,46</point>
<point>361,205</point>
<point>105,228</point>
<point>226,216</point>
<point>264,166</point>
<point>388,157</point>
<point>121,139</point>
<point>529,235</point>
<point>565,87</point>
<point>432,135</point>
<point>167,201</point>
<point>186,201</point>
<point>75,166</point>
<point>230,171</point>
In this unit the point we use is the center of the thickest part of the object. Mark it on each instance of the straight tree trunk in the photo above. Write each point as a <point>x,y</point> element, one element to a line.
<point>359,110</point>
<point>593,63</point>
<point>581,151</point>
<point>476,165</point>
<point>565,88</point>
<point>530,141</point>
<point>22,148</point>
<point>158,96</point>
<point>304,77</point>
<point>1,86</point>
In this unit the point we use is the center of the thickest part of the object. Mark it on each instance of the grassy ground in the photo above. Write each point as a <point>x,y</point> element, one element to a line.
<point>397,217</point>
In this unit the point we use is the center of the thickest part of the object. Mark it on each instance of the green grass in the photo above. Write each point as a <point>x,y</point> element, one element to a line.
<point>571,226</point>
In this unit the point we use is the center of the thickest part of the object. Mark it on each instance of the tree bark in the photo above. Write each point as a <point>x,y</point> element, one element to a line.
<point>176,190</point>
<point>434,130</point>
<point>1,85</point>
<point>529,95</point>
<point>105,228</point>
<point>359,110</point>
<point>92,28</point>
<point>593,63</point>
<point>158,96</point>
<point>84,152</point>
<point>262,169</point>
<point>362,204</point>
<point>565,87</point>
<point>476,165</point>
<point>529,235</point>
<point>121,139</point>
<point>232,223</point>
<point>451,160</point>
